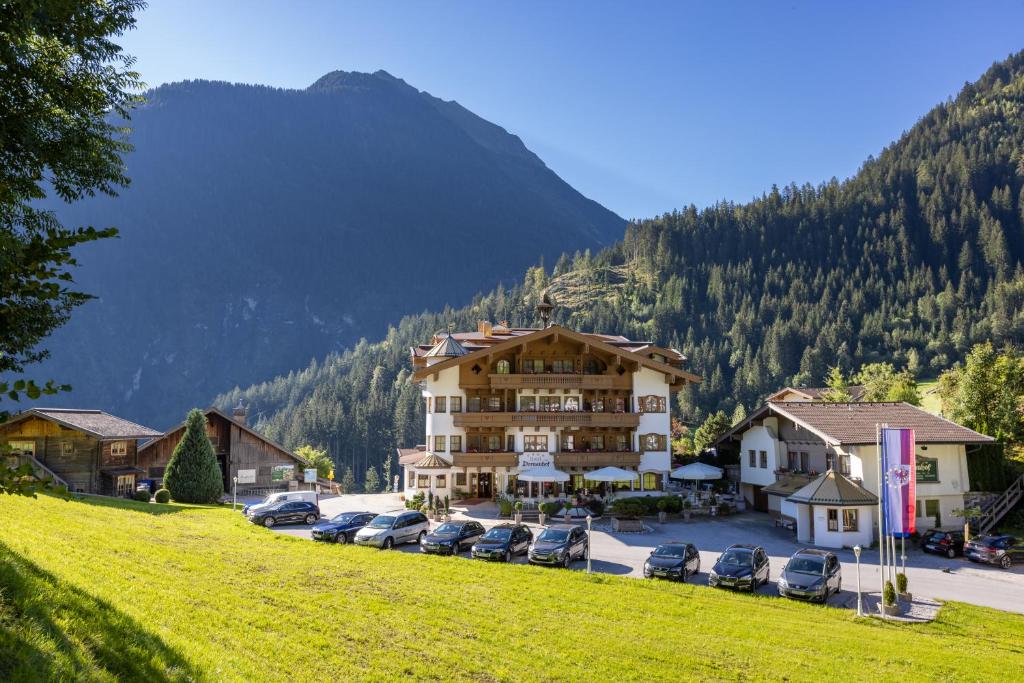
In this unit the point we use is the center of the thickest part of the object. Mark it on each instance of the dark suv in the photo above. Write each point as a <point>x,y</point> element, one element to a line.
<point>451,538</point>
<point>1002,551</point>
<point>341,528</point>
<point>948,542</point>
<point>503,542</point>
<point>741,566</point>
<point>812,575</point>
<point>288,512</point>
<point>559,544</point>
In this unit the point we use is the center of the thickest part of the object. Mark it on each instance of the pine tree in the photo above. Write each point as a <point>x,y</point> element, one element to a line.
<point>387,473</point>
<point>348,481</point>
<point>193,475</point>
<point>838,389</point>
<point>372,481</point>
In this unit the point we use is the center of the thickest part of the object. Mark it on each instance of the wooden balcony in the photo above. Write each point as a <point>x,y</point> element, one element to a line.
<point>552,381</point>
<point>597,459</point>
<point>503,459</point>
<point>547,419</point>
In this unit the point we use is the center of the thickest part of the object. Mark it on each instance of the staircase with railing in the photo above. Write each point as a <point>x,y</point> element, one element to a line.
<point>995,510</point>
<point>41,471</point>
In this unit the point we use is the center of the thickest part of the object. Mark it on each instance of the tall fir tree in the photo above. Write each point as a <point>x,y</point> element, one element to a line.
<point>372,481</point>
<point>193,475</point>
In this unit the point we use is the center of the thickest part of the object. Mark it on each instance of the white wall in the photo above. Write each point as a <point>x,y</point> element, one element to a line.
<point>759,438</point>
<point>647,382</point>
<point>843,539</point>
<point>446,384</point>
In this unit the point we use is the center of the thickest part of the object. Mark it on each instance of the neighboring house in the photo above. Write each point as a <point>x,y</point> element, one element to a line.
<point>239,448</point>
<point>87,450</point>
<point>817,463</point>
<point>500,400</point>
<point>813,394</point>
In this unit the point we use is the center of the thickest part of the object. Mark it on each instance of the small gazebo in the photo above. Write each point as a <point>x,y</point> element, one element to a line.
<point>832,511</point>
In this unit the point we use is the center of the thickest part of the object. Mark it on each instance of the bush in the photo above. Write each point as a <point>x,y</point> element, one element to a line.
<point>447,507</point>
<point>596,506</point>
<point>901,583</point>
<point>518,506</point>
<point>416,502</point>
<point>687,504</point>
<point>142,495</point>
<point>628,507</point>
<point>889,594</point>
<point>505,507</point>
<point>162,496</point>
<point>193,475</point>
<point>550,508</point>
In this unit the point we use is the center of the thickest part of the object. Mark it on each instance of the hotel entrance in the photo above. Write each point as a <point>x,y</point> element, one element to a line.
<point>480,484</point>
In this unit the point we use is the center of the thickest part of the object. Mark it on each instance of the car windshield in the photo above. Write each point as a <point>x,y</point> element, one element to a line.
<point>742,558</point>
<point>676,551</point>
<point>498,534</point>
<point>344,517</point>
<point>382,522</point>
<point>937,536</point>
<point>448,529</point>
<point>553,535</point>
<point>807,565</point>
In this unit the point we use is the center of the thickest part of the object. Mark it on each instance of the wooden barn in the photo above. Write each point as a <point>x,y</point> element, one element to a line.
<point>264,465</point>
<point>88,451</point>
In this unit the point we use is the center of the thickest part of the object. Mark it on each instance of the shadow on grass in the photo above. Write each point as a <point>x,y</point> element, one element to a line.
<point>51,630</point>
<point>136,506</point>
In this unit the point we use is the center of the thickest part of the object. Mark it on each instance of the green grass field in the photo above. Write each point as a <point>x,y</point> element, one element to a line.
<point>104,590</point>
<point>929,399</point>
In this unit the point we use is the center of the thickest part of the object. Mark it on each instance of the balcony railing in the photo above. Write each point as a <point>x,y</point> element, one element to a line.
<point>597,459</point>
<point>555,381</point>
<point>502,459</point>
<point>547,419</point>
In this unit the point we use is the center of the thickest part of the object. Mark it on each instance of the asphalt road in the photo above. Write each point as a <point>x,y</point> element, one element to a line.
<point>928,576</point>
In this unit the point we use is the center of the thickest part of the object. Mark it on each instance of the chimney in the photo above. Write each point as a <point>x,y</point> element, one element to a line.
<point>484,327</point>
<point>238,413</point>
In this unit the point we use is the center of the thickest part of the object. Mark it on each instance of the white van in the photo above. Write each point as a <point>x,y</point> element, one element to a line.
<point>281,496</point>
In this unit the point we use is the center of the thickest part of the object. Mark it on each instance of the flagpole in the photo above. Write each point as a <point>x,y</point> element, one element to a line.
<point>881,527</point>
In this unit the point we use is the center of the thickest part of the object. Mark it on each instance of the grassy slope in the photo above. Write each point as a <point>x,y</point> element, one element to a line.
<point>929,401</point>
<point>103,590</point>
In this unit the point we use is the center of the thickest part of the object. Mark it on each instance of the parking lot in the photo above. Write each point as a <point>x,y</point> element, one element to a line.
<point>929,576</point>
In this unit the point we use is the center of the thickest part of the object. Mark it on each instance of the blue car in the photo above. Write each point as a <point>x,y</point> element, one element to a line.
<point>341,528</point>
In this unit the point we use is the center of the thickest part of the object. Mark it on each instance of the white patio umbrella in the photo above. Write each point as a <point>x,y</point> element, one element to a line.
<point>697,471</point>
<point>611,474</point>
<point>542,474</point>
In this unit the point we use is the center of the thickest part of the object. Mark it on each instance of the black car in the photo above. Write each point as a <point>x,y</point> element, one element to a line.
<point>341,528</point>
<point>740,566</point>
<point>503,542</point>
<point>1003,551</point>
<point>451,538</point>
<point>948,542</point>
<point>673,561</point>
<point>287,512</point>
<point>811,575</point>
<point>559,544</point>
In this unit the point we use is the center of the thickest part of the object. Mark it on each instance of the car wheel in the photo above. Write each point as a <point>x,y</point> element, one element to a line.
<point>1006,562</point>
<point>269,522</point>
<point>389,543</point>
<point>951,553</point>
<point>311,519</point>
<point>508,556</point>
<point>341,538</point>
<point>567,561</point>
<point>419,539</point>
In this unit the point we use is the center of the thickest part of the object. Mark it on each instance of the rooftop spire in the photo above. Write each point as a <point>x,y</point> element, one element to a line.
<point>544,309</point>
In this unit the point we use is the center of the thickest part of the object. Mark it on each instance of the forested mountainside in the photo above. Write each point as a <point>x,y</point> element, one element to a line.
<point>266,227</point>
<point>913,260</point>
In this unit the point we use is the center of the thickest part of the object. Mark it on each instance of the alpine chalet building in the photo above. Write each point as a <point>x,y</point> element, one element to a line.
<point>502,400</point>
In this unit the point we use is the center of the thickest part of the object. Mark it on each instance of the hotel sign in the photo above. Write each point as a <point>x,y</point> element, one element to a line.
<point>536,460</point>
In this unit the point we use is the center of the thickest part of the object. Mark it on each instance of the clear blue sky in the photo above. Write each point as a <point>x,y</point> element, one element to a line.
<point>643,107</point>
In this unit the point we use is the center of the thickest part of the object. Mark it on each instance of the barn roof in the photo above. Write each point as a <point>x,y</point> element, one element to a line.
<point>93,422</point>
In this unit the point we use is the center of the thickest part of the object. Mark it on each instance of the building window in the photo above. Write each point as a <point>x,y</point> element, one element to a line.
<point>620,405</point>
<point>423,481</point>
<point>510,443</point>
<point>927,469</point>
<point>429,403</point>
<point>590,367</point>
<point>442,481</point>
<point>456,443</point>
<point>764,459</point>
<point>456,404</point>
<point>650,481</point>
<point>931,508</point>
<point>752,458</point>
<point>833,519</point>
<point>118,449</point>
<point>793,460</point>
<point>563,367</point>
<point>494,443</point>
<point>494,404</point>
<point>653,442</point>
<point>568,442</point>
<point>441,404</point>
<point>652,404</point>
<point>439,445</point>
<point>533,366</point>
<point>125,485</point>
<point>572,403</point>
<point>623,443</point>
<point>598,405</point>
<point>528,404</point>
<point>460,478</point>
<point>502,367</point>
<point>67,448</point>
<point>473,404</point>
<point>535,443</point>
<point>844,463</point>
<point>805,461</point>
<point>597,442</point>
<point>410,479</point>
<point>849,520</point>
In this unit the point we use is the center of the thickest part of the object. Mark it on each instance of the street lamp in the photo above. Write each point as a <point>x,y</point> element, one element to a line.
<point>589,520</point>
<point>860,605</point>
<point>234,493</point>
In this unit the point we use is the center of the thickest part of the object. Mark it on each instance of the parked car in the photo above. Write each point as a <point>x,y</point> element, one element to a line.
<point>341,528</point>
<point>674,560</point>
<point>451,538</point>
<point>1002,551</point>
<point>741,566</point>
<point>394,528</point>
<point>286,512</point>
<point>811,575</point>
<point>281,497</point>
<point>948,542</point>
<point>558,544</point>
<point>503,542</point>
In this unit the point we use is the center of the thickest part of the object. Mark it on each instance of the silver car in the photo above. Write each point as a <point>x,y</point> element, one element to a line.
<point>394,528</point>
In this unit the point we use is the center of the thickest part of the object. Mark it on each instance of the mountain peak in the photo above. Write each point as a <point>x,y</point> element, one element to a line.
<point>354,80</point>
